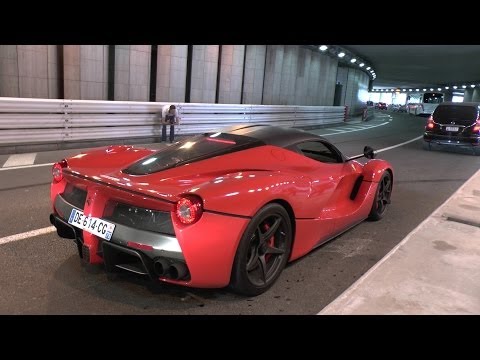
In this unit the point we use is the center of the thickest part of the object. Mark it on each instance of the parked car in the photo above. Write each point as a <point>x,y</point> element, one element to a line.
<point>227,207</point>
<point>454,124</point>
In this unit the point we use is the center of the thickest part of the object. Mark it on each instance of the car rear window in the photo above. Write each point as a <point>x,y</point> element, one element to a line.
<point>457,113</point>
<point>192,149</point>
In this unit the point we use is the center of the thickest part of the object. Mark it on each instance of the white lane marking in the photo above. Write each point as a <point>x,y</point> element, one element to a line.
<point>27,234</point>
<point>356,284</point>
<point>343,132</point>
<point>351,128</point>
<point>394,146</point>
<point>26,166</point>
<point>20,160</point>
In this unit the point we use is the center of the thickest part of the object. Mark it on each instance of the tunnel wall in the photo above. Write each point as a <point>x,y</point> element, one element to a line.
<point>228,74</point>
<point>354,89</point>
<point>171,72</point>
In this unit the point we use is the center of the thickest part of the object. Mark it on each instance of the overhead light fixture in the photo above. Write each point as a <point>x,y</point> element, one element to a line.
<point>447,87</point>
<point>341,55</point>
<point>417,89</point>
<point>455,86</point>
<point>409,89</point>
<point>361,65</point>
<point>404,89</point>
<point>323,47</point>
<point>368,68</point>
<point>353,60</point>
<point>439,89</point>
<point>431,89</point>
<point>464,86</point>
<point>424,89</point>
<point>472,86</point>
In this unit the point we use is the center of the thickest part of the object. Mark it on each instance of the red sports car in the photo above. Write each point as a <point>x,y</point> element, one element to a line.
<point>229,207</point>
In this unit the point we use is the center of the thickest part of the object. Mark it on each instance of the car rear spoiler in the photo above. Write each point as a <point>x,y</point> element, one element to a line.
<point>368,152</point>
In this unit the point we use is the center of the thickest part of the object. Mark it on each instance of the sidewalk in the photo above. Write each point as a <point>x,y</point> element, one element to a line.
<point>434,270</point>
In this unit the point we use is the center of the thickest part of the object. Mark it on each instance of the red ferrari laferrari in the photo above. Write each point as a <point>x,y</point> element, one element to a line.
<point>222,208</point>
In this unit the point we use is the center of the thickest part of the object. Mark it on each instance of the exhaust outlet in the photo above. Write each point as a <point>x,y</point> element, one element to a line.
<point>178,271</point>
<point>160,267</point>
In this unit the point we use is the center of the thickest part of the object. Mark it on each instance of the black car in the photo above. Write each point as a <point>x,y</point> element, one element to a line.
<point>456,124</point>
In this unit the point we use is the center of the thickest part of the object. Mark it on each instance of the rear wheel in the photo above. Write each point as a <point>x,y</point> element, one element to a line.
<point>382,197</point>
<point>263,251</point>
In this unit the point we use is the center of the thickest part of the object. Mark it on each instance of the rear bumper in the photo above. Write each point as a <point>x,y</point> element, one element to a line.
<point>473,140</point>
<point>116,253</point>
<point>201,255</point>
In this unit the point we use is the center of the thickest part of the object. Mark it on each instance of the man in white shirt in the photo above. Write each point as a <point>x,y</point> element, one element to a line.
<point>169,117</point>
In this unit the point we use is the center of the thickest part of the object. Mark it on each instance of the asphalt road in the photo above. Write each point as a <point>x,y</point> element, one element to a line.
<point>44,275</point>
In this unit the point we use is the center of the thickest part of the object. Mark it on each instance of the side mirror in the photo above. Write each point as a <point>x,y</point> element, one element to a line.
<point>368,152</point>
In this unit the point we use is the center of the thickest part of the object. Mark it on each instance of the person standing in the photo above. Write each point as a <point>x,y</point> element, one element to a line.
<point>171,118</point>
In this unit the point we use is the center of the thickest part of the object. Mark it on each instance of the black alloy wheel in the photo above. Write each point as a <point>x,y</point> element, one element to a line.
<point>263,251</point>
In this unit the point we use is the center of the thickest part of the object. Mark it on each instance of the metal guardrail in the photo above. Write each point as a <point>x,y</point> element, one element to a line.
<point>42,121</point>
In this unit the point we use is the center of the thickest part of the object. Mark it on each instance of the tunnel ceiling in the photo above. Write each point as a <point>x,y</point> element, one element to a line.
<point>421,65</point>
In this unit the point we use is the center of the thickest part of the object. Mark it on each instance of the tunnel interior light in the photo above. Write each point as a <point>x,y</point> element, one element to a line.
<point>368,68</point>
<point>455,86</point>
<point>431,89</point>
<point>439,89</point>
<point>472,86</point>
<point>361,64</point>
<point>410,90</point>
<point>424,89</point>
<point>341,54</point>
<point>353,60</point>
<point>464,86</point>
<point>447,87</point>
<point>417,89</point>
<point>323,47</point>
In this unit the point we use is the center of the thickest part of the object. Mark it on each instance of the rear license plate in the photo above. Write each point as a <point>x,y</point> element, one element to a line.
<point>93,225</point>
<point>452,128</point>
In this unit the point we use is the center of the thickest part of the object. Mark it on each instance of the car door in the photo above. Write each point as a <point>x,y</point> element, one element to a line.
<point>332,181</point>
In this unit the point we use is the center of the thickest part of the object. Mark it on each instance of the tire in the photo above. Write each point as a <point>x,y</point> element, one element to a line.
<point>382,197</point>
<point>260,259</point>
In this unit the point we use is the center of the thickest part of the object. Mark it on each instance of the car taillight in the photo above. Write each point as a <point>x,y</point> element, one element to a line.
<point>57,170</point>
<point>189,209</point>
<point>430,124</point>
<point>476,128</point>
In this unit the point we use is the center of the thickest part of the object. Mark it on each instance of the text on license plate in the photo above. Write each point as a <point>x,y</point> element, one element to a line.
<point>93,225</point>
<point>452,128</point>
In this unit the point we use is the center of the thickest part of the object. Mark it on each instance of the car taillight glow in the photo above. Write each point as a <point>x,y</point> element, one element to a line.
<point>476,128</point>
<point>57,170</point>
<point>430,124</point>
<point>189,209</point>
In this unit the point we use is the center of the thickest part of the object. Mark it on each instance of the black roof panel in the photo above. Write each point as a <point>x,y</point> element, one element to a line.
<point>272,135</point>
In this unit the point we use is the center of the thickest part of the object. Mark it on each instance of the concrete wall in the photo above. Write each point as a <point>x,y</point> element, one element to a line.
<point>271,74</point>
<point>476,95</point>
<point>298,76</point>
<point>204,73</point>
<point>231,73</point>
<point>132,72</point>
<point>171,72</point>
<point>85,72</point>
<point>28,71</point>
<point>8,71</point>
<point>355,83</point>
<point>468,95</point>
<point>253,78</point>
